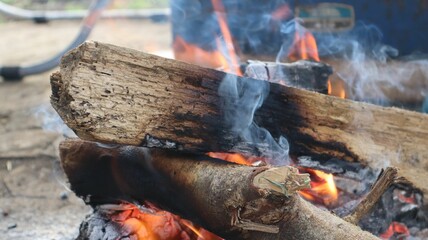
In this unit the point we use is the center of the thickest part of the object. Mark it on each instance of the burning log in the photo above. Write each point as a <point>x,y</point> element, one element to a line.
<point>237,202</point>
<point>112,94</point>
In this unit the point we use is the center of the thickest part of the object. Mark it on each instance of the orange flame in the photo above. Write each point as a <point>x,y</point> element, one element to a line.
<point>395,228</point>
<point>304,46</point>
<point>336,88</point>
<point>153,223</point>
<point>224,58</point>
<point>224,28</point>
<point>193,54</point>
<point>234,158</point>
<point>329,88</point>
<point>193,228</point>
<point>323,188</point>
<point>342,93</point>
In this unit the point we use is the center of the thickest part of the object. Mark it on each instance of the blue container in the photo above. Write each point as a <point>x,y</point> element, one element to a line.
<point>400,24</point>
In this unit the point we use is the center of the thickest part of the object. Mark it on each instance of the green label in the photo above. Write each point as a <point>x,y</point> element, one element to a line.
<point>326,17</point>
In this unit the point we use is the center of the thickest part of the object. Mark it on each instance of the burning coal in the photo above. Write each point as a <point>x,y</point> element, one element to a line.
<point>146,222</point>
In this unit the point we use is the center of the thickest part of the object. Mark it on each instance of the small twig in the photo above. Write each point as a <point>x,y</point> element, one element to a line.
<point>386,178</point>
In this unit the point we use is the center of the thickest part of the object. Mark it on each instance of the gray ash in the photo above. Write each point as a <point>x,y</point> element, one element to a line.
<point>399,214</point>
<point>401,204</point>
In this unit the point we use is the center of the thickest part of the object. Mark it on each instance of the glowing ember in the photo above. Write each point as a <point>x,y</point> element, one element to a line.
<point>398,229</point>
<point>151,223</point>
<point>401,195</point>
<point>323,189</point>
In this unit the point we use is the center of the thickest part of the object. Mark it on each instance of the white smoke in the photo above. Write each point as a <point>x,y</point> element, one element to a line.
<point>372,70</point>
<point>241,99</point>
<point>50,120</point>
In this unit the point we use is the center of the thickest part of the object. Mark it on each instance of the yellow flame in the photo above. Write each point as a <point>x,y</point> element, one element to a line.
<point>191,227</point>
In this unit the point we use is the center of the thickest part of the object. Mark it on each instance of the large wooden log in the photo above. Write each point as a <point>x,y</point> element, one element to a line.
<point>236,202</point>
<point>113,94</point>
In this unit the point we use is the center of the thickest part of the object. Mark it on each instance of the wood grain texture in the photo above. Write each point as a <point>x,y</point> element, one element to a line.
<point>113,94</point>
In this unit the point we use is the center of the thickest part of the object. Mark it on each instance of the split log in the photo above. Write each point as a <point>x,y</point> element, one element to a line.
<point>234,201</point>
<point>112,94</point>
<point>306,74</point>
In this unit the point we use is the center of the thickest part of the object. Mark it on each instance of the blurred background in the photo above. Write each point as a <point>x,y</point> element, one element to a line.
<point>378,51</point>
<point>35,202</point>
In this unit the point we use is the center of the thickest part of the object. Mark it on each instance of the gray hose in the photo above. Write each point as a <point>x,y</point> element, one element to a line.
<point>18,72</point>
<point>45,16</point>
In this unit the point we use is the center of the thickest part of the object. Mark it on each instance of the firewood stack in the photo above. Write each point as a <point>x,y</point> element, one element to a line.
<point>147,123</point>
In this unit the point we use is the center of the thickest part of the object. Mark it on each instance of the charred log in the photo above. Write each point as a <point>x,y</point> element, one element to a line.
<point>309,75</point>
<point>112,94</point>
<point>236,202</point>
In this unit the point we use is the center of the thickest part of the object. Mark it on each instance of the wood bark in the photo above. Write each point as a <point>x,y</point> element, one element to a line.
<point>113,94</point>
<point>234,201</point>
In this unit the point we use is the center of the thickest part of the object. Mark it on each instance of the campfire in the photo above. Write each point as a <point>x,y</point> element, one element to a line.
<point>234,149</point>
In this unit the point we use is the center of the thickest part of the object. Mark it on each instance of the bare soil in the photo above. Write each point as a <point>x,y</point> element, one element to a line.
<point>35,202</point>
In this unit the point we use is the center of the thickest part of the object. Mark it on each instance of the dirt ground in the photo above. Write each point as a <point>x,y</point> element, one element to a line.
<point>35,202</point>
